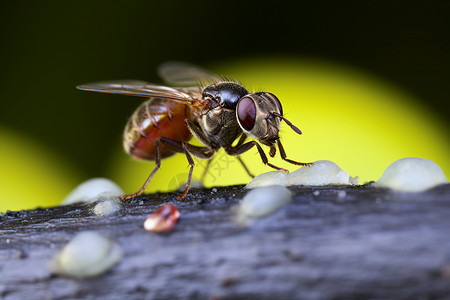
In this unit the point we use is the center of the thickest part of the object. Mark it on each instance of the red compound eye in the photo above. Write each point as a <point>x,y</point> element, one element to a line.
<point>246,113</point>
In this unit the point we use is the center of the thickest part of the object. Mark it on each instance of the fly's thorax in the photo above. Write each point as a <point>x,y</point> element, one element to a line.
<point>220,126</point>
<point>218,120</point>
<point>224,94</point>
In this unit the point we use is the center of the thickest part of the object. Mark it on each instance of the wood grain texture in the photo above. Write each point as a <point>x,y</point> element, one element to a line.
<point>328,243</point>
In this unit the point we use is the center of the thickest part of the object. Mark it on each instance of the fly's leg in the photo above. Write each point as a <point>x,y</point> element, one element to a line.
<point>245,167</point>
<point>200,152</point>
<point>234,151</point>
<point>208,164</point>
<point>175,147</point>
<point>240,142</point>
<point>284,157</point>
<point>198,133</point>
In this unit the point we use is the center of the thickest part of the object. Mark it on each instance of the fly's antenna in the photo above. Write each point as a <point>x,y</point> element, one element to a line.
<point>295,128</point>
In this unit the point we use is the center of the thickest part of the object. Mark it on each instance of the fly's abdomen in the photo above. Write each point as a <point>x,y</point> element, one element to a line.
<point>153,119</point>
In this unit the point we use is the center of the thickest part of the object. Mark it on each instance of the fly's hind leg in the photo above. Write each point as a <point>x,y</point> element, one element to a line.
<point>175,147</point>
<point>170,144</point>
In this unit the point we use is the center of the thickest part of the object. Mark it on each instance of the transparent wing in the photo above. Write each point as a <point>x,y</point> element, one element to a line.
<point>138,88</point>
<point>182,73</point>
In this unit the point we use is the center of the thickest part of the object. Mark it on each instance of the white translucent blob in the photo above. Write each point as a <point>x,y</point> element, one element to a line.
<point>87,254</point>
<point>353,180</point>
<point>323,172</point>
<point>268,179</point>
<point>89,191</point>
<point>195,184</point>
<point>262,201</point>
<point>412,175</point>
<point>108,204</point>
<point>341,194</point>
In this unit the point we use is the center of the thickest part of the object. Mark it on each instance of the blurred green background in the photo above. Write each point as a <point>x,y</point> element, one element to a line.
<point>366,83</point>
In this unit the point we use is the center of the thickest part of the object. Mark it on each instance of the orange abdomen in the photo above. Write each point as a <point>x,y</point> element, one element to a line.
<point>153,119</point>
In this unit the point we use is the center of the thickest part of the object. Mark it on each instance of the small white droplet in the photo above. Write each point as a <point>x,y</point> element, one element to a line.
<point>87,254</point>
<point>412,175</point>
<point>262,201</point>
<point>268,179</point>
<point>323,172</point>
<point>108,204</point>
<point>195,184</point>
<point>353,180</point>
<point>341,194</point>
<point>90,189</point>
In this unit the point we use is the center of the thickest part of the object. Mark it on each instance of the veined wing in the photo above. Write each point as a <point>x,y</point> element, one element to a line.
<point>182,73</point>
<point>144,89</point>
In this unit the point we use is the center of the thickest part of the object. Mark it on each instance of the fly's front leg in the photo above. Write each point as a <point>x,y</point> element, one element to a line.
<point>284,157</point>
<point>240,142</point>
<point>238,150</point>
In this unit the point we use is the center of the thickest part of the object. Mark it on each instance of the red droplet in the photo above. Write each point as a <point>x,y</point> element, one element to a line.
<point>163,219</point>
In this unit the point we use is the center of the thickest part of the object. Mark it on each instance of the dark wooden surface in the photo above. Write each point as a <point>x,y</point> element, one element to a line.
<point>329,243</point>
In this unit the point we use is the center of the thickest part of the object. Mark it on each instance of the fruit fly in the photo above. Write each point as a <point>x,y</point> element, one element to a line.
<point>214,110</point>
